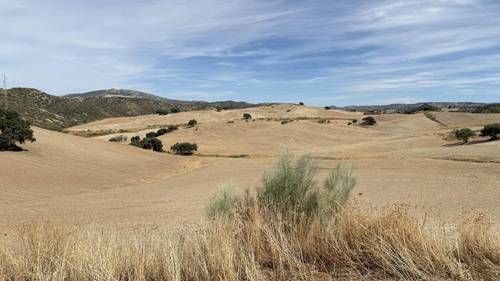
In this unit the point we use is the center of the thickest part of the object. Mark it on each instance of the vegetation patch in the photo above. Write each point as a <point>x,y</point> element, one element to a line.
<point>13,130</point>
<point>184,148</point>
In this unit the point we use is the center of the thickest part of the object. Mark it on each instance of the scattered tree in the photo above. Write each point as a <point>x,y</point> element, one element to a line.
<point>463,134</point>
<point>327,108</point>
<point>13,129</point>
<point>354,121</point>
<point>247,116</point>
<point>175,110</point>
<point>301,103</point>
<point>491,130</point>
<point>192,123</point>
<point>184,148</point>
<point>153,143</point>
<point>368,121</point>
<point>136,141</point>
<point>151,135</point>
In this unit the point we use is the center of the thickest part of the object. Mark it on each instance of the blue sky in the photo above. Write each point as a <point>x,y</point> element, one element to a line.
<point>319,52</point>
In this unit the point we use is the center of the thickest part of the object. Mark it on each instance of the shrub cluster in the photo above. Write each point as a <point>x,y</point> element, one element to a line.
<point>491,130</point>
<point>184,148</point>
<point>247,116</point>
<point>147,143</point>
<point>162,111</point>
<point>13,129</point>
<point>368,121</point>
<point>462,134</point>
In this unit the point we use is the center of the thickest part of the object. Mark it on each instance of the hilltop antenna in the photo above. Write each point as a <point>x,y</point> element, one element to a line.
<point>4,89</point>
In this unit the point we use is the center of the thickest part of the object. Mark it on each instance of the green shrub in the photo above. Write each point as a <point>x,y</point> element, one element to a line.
<point>219,109</point>
<point>463,134</point>
<point>192,123</point>
<point>151,135</point>
<point>491,130</point>
<point>152,143</point>
<point>175,110</point>
<point>290,187</point>
<point>327,108</point>
<point>354,121</point>
<point>161,132</point>
<point>301,103</point>
<point>285,121</point>
<point>184,148</point>
<point>247,116</point>
<point>172,128</point>
<point>119,138</point>
<point>13,129</point>
<point>162,111</point>
<point>136,141</point>
<point>368,121</point>
<point>222,203</point>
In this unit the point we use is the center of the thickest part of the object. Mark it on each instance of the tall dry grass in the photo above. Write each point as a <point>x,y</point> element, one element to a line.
<point>260,242</point>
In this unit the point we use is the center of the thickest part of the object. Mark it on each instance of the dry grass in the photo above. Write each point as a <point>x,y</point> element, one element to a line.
<point>257,245</point>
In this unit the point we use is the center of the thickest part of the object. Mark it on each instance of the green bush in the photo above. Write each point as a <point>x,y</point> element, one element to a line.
<point>192,123</point>
<point>184,148</point>
<point>13,129</point>
<point>327,108</point>
<point>368,121</point>
<point>491,130</point>
<point>463,134</point>
<point>161,132</point>
<point>222,203</point>
<point>119,138</point>
<point>152,143</point>
<point>301,103</point>
<point>247,116</point>
<point>151,135</point>
<point>175,110</point>
<point>354,121</point>
<point>290,187</point>
<point>162,111</point>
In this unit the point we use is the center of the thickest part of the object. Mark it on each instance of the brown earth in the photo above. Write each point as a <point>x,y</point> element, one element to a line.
<point>403,159</point>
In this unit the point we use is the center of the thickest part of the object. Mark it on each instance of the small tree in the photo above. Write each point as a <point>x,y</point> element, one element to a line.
<point>192,123</point>
<point>301,103</point>
<point>327,108</point>
<point>161,132</point>
<point>463,134</point>
<point>136,141</point>
<point>13,129</point>
<point>184,148</point>
<point>175,110</point>
<point>247,116</point>
<point>354,121</point>
<point>368,121</point>
<point>491,130</point>
<point>153,143</point>
<point>151,135</point>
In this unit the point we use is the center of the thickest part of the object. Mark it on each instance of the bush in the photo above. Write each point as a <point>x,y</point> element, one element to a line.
<point>285,121</point>
<point>13,129</point>
<point>222,203</point>
<point>119,138</point>
<point>247,116</point>
<point>172,128</point>
<point>147,143</point>
<point>192,123</point>
<point>290,188</point>
<point>327,108</point>
<point>162,111</point>
<point>368,121</point>
<point>175,110</point>
<point>161,132</point>
<point>151,135</point>
<point>153,143</point>
<point>219,109</point>
<point>354,121</point>
<point>491,130</point>
<point>184,148</point>
<point>463,134</point>
<point>301,103</point>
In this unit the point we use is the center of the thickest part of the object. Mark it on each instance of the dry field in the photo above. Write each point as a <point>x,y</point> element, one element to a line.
<point>110,211</point>
<point>403,159</point>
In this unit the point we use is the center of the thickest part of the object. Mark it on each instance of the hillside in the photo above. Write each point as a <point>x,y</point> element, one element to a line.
<point>410,107</point>
<point>56,113</point>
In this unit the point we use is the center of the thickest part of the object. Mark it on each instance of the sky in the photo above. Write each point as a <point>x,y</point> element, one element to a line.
<point>332,52</point>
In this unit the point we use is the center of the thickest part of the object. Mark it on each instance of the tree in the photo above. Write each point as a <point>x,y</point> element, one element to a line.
<point>192,123</point>
<point>247,116</point>
<point>327,108</point>
<point>175,110</point>
<point>151,135</point>
<point>463,134</point>
<point>301,103</point>
<point>368,121</point>
<point>136,141</point>
<point>13,129</point>
<point>153,143</point>
<point>491,130</point>
<point>184,148</point>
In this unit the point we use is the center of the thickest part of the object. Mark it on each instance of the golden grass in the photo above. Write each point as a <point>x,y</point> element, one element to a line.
<point>255,244</point>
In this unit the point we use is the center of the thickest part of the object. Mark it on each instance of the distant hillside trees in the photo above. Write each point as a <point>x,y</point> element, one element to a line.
<point>13,130</point>
<point>184,148</point>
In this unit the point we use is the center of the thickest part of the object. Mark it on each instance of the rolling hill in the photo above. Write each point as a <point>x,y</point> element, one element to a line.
<point>59,112</point>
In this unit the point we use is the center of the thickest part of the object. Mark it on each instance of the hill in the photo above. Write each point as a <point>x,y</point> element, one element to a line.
<point>410,107</point>
<point>56,113</point>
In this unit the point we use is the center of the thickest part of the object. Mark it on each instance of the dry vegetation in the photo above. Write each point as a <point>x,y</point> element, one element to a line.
<point>266,235</point>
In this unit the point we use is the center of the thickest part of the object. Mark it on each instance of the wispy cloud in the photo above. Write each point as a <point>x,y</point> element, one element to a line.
<point>343,52</point>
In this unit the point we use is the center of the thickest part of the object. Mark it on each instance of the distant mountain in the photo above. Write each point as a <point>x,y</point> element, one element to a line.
<point>59,112</point>
<point>405,108</point>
